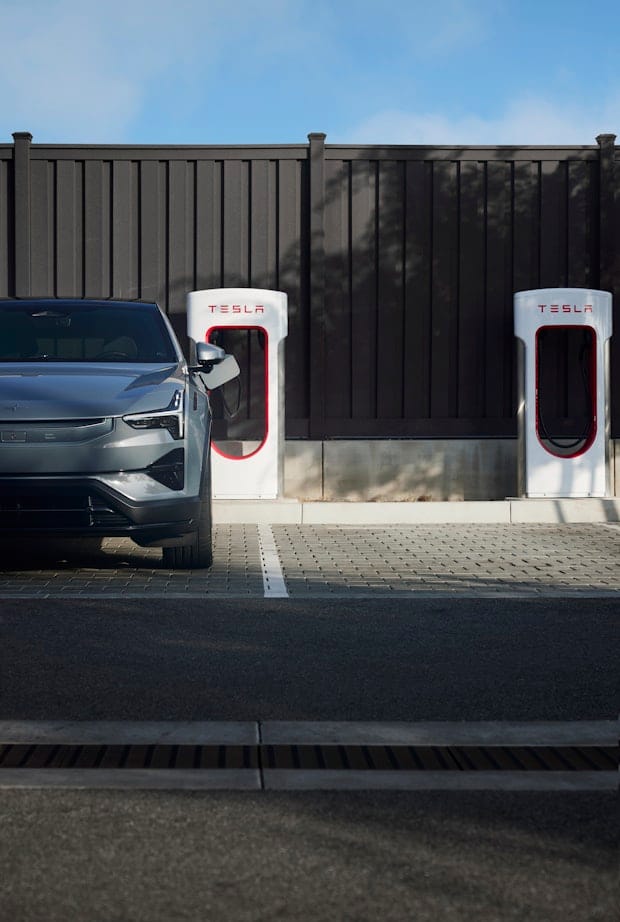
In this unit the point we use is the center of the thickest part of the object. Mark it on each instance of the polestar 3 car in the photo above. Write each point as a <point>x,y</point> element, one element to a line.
<point>105,429</point>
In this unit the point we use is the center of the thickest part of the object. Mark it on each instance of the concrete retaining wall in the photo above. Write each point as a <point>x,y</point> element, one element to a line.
<point>406,470</point>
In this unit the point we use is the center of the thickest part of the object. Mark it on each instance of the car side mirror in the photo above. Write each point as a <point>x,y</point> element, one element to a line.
<point>208,354</point>
<point>215,365</point>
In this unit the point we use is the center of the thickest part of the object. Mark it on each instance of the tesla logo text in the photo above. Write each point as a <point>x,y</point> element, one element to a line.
<point>236,308</point>
<point>564,309</point>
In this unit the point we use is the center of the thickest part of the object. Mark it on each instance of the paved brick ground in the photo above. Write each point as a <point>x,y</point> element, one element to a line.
<point>486,559</point>
<point>336,560</point>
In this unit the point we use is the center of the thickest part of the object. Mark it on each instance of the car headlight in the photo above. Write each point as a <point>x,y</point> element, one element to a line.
<point>171,418</point>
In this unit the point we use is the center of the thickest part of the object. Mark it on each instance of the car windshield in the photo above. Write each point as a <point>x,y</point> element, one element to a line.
<point>66,331</point>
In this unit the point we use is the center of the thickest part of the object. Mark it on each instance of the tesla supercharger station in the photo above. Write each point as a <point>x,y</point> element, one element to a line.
<point>262,314</point>
<point>564,391</point>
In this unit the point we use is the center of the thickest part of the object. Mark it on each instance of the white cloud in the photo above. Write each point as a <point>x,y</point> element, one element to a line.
<point>108,70</point>
<point>63,71</point>
<point>82,70</point>
<point>525,121</point>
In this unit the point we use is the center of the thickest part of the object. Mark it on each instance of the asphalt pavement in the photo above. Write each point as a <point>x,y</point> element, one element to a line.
<point>114,857</point>
<point>328,659</point>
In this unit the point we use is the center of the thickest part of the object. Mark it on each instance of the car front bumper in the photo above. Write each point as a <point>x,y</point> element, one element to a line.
<point>84,506</point>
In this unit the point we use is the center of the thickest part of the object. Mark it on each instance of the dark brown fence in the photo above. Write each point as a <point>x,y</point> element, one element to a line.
<point>399,262</point>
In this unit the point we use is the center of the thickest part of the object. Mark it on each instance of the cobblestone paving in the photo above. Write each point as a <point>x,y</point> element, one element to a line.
<point>120,567</point>
<point>483,559</point>
<point>328,561</point>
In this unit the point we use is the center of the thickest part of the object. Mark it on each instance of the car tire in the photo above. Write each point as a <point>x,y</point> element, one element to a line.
<point>197,554</point>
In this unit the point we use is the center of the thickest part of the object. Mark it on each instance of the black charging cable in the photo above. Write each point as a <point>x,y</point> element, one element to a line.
<point>584,351</point>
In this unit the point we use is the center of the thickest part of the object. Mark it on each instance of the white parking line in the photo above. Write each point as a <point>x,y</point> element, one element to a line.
<point>274,584</point>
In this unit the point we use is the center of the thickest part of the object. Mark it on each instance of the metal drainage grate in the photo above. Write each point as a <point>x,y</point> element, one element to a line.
<point>364,758</point>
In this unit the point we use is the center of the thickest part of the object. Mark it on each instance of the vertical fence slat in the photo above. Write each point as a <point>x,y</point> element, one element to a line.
<point>553,230</point>
<point>579,225</point>
<point>126,228</point>
<point>263,224</point>
<point>208,224</point>
<point>444,342</point>
<point>526,226</point>
<point>609,260</point>
<point>95,230</point>
<point>292,218</point>
<point>153,219</point>
<point>418,277</point>
<point>337,292</point>
<point>22,212</point>
<point>69,228</point>
<point>6,271</point>
<point>364,289</point>
<point>471,314</point>
<point>316,281</point>
<point>180,197</point>
<point>497,356</point>
<point>390,290</point>
<point>236,223</point>
<point>43,228</point>
<point>609,255</point>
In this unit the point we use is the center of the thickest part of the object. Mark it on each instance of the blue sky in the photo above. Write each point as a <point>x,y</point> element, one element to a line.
<point>270,71</point>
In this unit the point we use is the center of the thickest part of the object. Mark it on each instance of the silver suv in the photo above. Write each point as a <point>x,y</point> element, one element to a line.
<point>104,429</point>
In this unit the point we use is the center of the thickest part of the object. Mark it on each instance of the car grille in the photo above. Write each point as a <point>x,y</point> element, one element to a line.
<point>63,510</point>
<point>54,430</point>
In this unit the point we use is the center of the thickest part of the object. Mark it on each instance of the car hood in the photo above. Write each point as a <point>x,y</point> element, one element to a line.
<point>71,391</point>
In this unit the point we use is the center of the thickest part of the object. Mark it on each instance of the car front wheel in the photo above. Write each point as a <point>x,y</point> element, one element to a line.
<point>197,554</point>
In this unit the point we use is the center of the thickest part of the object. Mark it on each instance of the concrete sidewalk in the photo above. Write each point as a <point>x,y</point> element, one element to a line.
<point>499,512</point>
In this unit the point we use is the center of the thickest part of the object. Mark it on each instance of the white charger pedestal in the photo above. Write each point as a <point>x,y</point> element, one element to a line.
<point>563,391</point>
<point>258,474</point>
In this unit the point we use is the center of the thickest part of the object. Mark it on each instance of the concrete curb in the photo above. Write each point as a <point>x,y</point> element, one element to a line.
<point>310,732</point>
<point>498,512</point>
